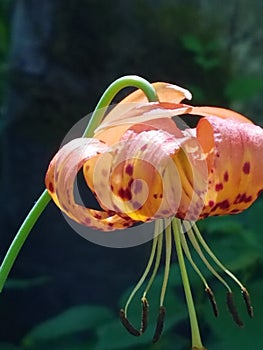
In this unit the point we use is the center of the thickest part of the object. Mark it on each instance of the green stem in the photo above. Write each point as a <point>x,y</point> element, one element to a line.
<point>111,92</point>
<point>44,199</point>
<point>21,236</point>
<point>196,339</point>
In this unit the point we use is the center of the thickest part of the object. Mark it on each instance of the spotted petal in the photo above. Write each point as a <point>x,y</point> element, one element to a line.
<point>151,174</point>
<point>60,179</point>
<point>166,92</point>
<point>234,152</point>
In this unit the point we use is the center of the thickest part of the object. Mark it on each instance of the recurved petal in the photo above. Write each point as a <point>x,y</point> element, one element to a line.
<point>148,114</point>
<point>209,111</point>
<point>234,152</point>
<point>60,179</point>
<point>153,174</point>
<point>166,93</point>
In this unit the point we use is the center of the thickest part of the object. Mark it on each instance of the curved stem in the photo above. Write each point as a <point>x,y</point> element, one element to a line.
<point>44,199</point>
<point>111,92</point>
<point>196,338</point>
<point>21,236</point>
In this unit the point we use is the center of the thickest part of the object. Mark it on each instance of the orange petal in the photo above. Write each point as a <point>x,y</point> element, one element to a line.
<point>207,111</point>
<point>154,114</point>
<point>166,93</point>
<point>152,175</point>
<point>236,164</point>
<point>60,179</point>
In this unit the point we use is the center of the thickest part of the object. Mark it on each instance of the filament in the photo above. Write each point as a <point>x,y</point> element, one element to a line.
<point>208,290</point>
<point>168,249</point>
<point>159,228</point>
<point>215,259</point>
<point>146,271</point>
<point>200,253</point>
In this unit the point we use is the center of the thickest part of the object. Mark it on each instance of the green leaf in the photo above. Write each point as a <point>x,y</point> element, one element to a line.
<point>76,319</point>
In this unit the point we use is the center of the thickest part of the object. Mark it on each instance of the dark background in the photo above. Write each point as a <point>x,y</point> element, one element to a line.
<point>56,59</point>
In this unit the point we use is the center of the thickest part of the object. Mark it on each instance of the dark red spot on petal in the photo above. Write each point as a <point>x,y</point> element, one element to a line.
<point>125,193</point>
<point>226,177</point>
<point>219,187</point>
<point>221,205</point>
<point>97,216</point>
<point>143,148</point>
<point>235,211</point>
<point>155,196</point>
<point>211,203</point>
<point>246,168</point>
<point>129,169</point>
<point>51,187</point>
<point>126,224</point>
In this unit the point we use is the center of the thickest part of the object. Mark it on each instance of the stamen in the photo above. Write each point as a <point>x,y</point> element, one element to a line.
<point>200,253</point>
<point>233,310</point>
<point>157,241</point>
<point>229,273</point>
<point>159,325</point>
<point>168,250</point>
<point>145,310</point>
<point>147,269</point>
<point>249,307</point>
<point>126,323</point>
<point>208,290</point>
<point>212,299</point>
<point>158,258</point>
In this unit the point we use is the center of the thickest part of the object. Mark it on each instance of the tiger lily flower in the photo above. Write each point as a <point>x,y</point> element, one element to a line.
<point>143,164</point>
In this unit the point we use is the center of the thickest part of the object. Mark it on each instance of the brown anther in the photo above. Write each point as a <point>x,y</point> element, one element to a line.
<point>247,300</point>
<point>233,310</point>
<point>212,299</point>
<point>126,323</point>
<point>145,310</point>
<point>159,325</point>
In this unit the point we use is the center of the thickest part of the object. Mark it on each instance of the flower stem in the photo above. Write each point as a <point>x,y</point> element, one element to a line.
<point>111,92</point>
<point>21,236</point>
<point>44,199</point>
<point>196,338</point>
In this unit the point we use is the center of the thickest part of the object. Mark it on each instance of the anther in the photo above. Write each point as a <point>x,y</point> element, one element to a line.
<point>159,325</point>
<point>126,323</point>
<point>247,300</point>
<point>145,310</point>
<point>233,310</point>
<point>212,299</point>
